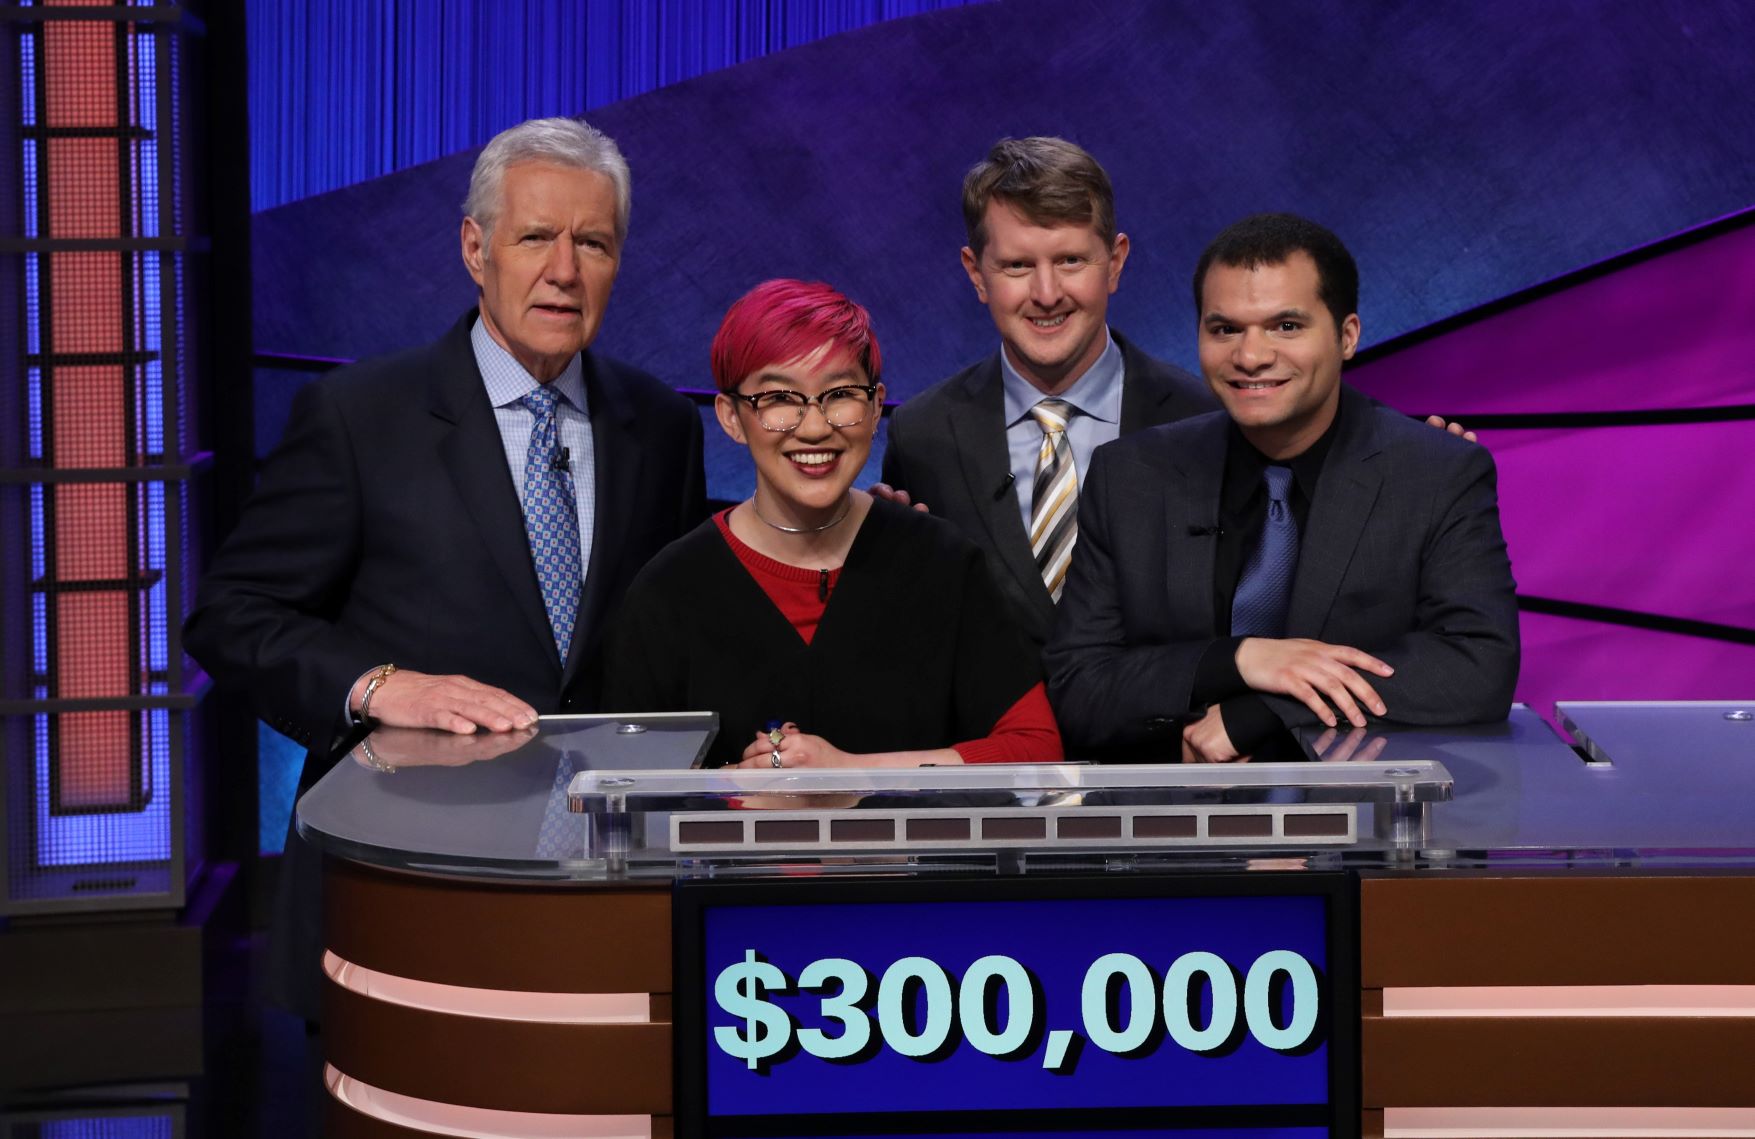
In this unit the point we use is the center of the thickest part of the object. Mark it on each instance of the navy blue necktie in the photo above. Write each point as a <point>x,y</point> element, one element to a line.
<point>1264,592</point>
<point>551,518</point>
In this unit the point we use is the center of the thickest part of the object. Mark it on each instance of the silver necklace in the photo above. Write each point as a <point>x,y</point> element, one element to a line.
<point>846,505</point>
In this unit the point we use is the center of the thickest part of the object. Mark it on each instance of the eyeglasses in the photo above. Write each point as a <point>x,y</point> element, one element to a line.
<point>784,411</point>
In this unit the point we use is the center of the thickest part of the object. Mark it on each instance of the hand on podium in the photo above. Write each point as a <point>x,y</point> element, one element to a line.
<point>409,699</point>
<point>1207,741</point>
<point>388,749</point>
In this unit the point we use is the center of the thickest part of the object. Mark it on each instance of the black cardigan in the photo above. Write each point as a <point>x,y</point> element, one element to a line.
<point>915,650</point>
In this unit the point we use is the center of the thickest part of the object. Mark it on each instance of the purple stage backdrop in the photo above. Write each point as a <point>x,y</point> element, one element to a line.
<point>1675,330</point>
<point>1646,517</point>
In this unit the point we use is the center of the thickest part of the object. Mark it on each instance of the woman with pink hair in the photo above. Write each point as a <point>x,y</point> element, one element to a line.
<point>826,627</point>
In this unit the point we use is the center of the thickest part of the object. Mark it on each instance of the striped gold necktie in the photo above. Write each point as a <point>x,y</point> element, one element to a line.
<point>1054,502</point>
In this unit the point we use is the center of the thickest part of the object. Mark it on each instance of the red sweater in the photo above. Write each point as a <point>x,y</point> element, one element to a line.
<point>1026,732</point>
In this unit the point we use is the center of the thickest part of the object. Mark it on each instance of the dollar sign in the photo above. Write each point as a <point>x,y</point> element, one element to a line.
<point>767,1028</point>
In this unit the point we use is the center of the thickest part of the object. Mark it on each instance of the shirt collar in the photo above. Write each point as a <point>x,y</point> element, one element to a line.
<point>1244,464</point>
<point>506,380</point>
<point>1097,393</point>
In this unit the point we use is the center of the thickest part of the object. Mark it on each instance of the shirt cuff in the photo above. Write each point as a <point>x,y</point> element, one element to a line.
<point>1216,677</point>
<point>349,718</point>
<point>1249,722</point>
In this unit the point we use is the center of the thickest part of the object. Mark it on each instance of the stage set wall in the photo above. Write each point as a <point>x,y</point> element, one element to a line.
<point>1465,152</point>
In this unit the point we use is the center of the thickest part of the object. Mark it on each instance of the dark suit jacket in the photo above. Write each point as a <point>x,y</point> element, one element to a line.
<point>947,448</point>
<point>385,527</point>
<point>1402,556</point>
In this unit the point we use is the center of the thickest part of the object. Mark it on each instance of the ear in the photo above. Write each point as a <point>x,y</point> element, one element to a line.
<point>972,266</point>
<point>474,249</point>
<point>1349,336</point>
<point>729,421</point>
<point>1117,258</point>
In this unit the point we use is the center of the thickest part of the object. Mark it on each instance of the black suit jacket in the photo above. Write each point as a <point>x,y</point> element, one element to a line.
<point>385,527</point>
<point>947,448</point>
<point>1401,556</point>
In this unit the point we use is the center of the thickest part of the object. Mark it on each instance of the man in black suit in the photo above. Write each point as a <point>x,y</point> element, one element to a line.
<point>438,538</point>
<point>1043,256</point>
<point>1306,555</point>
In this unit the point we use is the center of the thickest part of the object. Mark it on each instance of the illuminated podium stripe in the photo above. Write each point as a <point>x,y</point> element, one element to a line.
<point>363,1110</point>
<point>497,1004</point>
<point>1571,1000</point>
<point>1566,1122</point>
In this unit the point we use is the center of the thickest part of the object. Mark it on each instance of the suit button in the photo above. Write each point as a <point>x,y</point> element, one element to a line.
<point>1160,723</point>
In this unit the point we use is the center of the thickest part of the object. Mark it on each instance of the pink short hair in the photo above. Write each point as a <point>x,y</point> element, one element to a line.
<point>780,321</point>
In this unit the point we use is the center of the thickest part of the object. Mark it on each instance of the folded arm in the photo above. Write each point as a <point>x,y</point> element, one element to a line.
<point>1459,663</point>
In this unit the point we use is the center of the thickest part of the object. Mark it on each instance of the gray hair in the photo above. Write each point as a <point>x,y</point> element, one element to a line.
<point>562,142</point>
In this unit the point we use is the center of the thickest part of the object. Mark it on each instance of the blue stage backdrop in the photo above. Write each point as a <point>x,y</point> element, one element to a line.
<point>1464,151</point>
<point>346,90</point>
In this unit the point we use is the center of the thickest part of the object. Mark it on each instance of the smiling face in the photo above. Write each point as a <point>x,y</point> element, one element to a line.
<point>1048,290</point>
<point>546,268</point>
<point>803,475</point>
<point>1272,352</point>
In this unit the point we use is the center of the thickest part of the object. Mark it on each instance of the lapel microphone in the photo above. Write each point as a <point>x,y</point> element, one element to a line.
<point>561,462</point>
<point>1205,531</point>
<point>1004,486</point>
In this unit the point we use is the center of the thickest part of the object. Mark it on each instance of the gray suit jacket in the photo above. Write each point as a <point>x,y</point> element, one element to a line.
<point>947,448</point>
<point>1402,556</point>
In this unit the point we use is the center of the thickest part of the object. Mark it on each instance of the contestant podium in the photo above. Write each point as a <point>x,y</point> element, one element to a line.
<point>1541,942</point>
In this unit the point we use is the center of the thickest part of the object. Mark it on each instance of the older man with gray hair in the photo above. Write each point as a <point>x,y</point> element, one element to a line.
<point>440,534</point>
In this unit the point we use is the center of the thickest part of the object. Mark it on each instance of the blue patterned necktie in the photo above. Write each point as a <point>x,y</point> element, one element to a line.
<point>1264,592</point>
<point>551,518</point>
<point>561,831</point>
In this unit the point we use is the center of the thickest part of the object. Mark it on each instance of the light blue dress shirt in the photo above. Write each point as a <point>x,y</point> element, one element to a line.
<point>1096,419</point>
<point>507,382</point>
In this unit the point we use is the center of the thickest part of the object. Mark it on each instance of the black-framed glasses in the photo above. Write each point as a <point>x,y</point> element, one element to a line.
<point>784,411</point>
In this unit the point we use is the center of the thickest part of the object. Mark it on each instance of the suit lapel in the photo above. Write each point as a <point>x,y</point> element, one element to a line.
<point>1191,518</point>
<point>475,458</point>
<point>1146,394</point>
<point>1344,499</point>
<point>978,428</point>
<point>616,462</point>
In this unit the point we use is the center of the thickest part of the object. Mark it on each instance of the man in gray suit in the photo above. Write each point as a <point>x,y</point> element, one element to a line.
<point>1043,256</point>
<point>1304,556</point>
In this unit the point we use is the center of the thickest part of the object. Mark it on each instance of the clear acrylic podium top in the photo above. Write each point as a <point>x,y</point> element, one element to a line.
<point>625,804</point>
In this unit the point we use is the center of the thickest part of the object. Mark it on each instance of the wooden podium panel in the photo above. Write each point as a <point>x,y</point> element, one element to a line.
<point>1546,934</point>
<point>449,1028</point>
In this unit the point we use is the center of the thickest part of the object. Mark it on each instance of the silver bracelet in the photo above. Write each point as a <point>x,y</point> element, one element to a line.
<point>371,759</point>
<point>378,678</point>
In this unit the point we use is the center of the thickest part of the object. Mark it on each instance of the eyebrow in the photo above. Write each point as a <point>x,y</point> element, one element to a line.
<point>1283,314</point>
